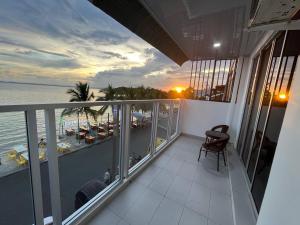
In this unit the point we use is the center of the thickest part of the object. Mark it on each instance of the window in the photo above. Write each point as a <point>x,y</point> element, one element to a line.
<point>213,80</point>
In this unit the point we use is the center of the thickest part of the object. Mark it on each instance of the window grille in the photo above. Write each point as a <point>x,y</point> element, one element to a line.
<point>213,80</point>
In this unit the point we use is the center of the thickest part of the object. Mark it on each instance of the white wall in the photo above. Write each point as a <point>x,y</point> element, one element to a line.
<point>199,116</point>
<point>281,204</point>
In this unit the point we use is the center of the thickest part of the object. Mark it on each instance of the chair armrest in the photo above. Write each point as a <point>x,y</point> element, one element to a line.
<point>217,127</point>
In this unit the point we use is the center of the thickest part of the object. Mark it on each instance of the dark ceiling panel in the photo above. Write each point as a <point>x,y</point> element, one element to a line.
<point>196,28</point>
<point>133,15</point>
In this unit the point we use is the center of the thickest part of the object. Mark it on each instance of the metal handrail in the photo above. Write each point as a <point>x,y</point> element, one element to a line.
<point>42,106</point>
<point>126,173</point>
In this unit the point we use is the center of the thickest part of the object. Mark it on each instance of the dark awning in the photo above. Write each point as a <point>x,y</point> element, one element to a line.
<point>133,15</point>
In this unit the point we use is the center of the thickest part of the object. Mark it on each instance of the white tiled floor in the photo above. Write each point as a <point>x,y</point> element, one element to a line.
<point>175,189</point>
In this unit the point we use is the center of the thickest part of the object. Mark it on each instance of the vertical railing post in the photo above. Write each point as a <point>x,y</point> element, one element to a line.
<point>170,121</point>
<point>124,140</point>
<point>53,166</point>
<point>154,127</point>
<point>34,166</point>
<point>177,118</point>
<point>180,111</point>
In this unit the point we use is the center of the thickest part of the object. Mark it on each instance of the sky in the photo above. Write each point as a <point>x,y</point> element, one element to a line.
<point>61,42</point>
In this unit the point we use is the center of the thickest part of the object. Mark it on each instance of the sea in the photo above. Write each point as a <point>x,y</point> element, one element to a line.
<point>13,124</point>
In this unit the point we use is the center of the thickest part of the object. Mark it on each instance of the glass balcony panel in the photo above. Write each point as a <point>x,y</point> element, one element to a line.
<point>162,124</point>
<point>174,118</point>
<point>15,185</point>
<point>140,132</point>
<point>88,148</point>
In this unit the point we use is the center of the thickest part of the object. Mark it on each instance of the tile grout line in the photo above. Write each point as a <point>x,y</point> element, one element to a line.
<point>155,208</point>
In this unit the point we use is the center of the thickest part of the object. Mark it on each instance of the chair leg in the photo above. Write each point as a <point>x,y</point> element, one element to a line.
<point>224,158</point>
<point>218,161</point>
<point>199,153</point>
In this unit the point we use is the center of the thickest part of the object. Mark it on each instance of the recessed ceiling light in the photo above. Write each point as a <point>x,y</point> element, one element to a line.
<point>217,45</point>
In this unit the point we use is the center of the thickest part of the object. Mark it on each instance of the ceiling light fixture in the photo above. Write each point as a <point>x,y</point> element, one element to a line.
<point>217,45</point>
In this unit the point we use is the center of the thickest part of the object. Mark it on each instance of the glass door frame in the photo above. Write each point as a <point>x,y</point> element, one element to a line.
<point>257,74</point>
<point>246,111</point>
<point>269,105</point>
<point>260,103</point>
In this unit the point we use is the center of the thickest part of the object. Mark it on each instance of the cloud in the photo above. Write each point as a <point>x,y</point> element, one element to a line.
<point>113,54</point>
<point>70,40</point>
<point>104,37</point>
<point>64,63</point>
<point>155,63</point>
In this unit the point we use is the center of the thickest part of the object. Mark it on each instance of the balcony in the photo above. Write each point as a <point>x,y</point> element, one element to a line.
<point>154,175</point>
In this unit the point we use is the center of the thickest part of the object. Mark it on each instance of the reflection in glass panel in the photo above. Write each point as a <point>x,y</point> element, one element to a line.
<point>275,118</point>
<point>15,186</point>
<point>272,79</point>
<point>249,102</point>
<point>88,148</point>
<point>140,132</point>
<point>258,90</point>
<point>162,124</point>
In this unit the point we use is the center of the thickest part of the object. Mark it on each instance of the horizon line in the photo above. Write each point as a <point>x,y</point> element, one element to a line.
<point>54,85</point>
<point>41,84</point>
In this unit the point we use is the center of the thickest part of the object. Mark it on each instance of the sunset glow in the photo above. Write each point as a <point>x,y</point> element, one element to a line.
<point>179,89</point>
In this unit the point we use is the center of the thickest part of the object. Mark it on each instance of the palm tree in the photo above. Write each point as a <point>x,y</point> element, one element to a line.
<point>111,94</point>
<point>81,93</point>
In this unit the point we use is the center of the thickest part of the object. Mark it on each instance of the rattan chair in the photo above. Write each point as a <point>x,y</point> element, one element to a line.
<point>216,146</point>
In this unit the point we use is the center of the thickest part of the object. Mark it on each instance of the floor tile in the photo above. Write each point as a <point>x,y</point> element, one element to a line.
<point>199,199</point>
<point>162,161</point>
<point>148,175</point>
<point>143,209</point>
<point>220,210</point>
<point>187,171</point>
<point>168,213</point>
<point>105,217</point>
<point>162,182</point>
<point>174,165</point>
<point>189,217</point>
<point>122,222</point>
<point>126,198</point>
<point>179,189</point>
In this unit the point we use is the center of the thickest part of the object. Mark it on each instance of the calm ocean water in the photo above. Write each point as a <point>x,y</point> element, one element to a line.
<point>12,125</point>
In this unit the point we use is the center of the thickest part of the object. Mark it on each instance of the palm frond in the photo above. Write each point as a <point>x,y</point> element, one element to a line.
<point>103,109</point>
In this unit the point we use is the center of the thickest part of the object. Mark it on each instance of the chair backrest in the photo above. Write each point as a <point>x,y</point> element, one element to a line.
<point>222,128</point>
<point>219,144</point>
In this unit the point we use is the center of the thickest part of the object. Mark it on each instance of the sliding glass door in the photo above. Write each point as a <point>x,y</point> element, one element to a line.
<point>265,109</point>
<point>258,87</point>
<point>273,70</point>
<point>278,91</point>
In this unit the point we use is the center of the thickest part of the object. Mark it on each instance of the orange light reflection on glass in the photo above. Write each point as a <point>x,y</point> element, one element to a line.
<point>282,96</point>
